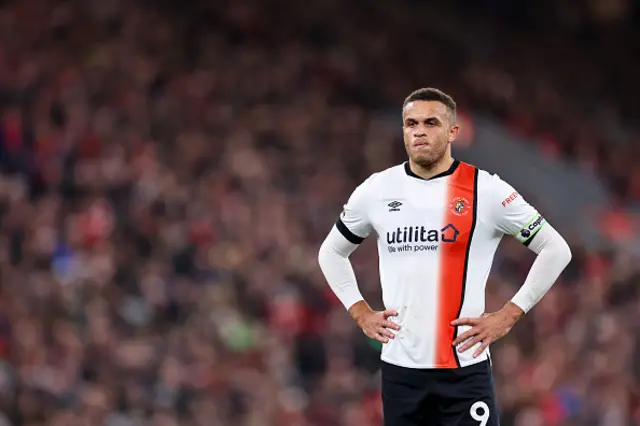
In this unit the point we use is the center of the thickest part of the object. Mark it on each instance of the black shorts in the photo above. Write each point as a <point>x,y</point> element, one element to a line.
<point>439,397</point>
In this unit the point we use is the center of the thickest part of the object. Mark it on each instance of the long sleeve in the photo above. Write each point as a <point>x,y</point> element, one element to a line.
<point>554,255</point>
<point>333,258</point>
<point>351,228</point>
<point>513,215</point>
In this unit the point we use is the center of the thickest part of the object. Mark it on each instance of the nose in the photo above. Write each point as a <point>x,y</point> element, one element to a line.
<point>420,130</point>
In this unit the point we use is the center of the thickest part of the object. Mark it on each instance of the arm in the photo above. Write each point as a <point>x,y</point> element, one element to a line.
<point>554,255</point>
<point>333,257</point>
<point>512,215</point>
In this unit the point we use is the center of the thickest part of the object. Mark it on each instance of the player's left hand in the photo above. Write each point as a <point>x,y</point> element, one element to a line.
<point>488,328</point>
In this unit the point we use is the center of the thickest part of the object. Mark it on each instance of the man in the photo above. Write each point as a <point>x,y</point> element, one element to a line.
<point>439,222</point>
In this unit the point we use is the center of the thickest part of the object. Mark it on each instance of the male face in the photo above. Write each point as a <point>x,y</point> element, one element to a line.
<point>428,130</point>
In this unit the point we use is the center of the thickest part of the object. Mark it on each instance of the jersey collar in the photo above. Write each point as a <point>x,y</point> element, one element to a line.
<point>447,172</point>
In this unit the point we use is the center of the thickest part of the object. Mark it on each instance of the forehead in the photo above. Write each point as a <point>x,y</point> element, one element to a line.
<point>423,109</point>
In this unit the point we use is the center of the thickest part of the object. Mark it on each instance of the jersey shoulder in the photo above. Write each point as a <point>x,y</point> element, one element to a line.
<point>493,186</point>
<point>506,209</point>
<point>385,179</point>
<point>376,185</point>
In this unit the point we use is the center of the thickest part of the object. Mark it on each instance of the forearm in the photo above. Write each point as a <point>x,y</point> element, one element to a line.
<point>333,259</point>
<point>554,255</point>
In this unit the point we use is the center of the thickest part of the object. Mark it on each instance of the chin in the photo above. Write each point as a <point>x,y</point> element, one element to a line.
<point>425,161</point>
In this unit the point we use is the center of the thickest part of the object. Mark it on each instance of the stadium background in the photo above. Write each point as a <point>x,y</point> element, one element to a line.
<point>169,170</point>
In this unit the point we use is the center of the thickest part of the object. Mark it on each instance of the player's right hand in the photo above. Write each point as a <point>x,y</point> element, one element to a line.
<point>375,324</point>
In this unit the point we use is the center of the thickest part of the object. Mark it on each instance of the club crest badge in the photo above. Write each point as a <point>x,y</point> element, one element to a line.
<point>459,206</point>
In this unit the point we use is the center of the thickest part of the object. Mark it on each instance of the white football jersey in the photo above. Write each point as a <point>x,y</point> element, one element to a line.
<point>436,242</point>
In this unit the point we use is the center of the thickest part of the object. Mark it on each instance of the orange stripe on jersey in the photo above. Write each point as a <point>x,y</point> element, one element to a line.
<point>459,223</point>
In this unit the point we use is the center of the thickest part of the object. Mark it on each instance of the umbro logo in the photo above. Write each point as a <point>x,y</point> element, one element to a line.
<point>394,206</point>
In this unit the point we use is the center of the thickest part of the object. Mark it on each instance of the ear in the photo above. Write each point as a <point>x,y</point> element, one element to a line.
<point>453,132</point>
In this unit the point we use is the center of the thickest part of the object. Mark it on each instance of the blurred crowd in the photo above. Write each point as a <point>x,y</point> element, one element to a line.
<point>169,169</point>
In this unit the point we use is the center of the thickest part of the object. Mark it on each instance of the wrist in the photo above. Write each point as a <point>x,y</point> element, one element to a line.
<point>359,310</point>
<point>513,311</point>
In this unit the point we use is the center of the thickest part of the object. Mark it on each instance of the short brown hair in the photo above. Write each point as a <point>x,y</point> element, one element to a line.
<point>432,94</point>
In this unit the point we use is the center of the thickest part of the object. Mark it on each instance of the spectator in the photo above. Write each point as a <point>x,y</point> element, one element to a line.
<point>169,169</point>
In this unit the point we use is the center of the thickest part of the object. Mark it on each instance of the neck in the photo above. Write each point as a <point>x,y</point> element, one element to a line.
<point>427,172</point>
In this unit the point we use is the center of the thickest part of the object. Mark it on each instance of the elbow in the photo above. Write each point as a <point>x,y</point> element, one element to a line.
<point>556,247</point>
<point>325,253</point>
<point>322,254</point>
<point>565,252</point>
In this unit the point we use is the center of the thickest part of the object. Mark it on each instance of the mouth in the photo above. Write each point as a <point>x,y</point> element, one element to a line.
<point>420,143</point>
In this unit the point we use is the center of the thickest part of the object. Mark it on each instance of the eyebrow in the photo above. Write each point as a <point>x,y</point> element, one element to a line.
<point>432,117</point>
